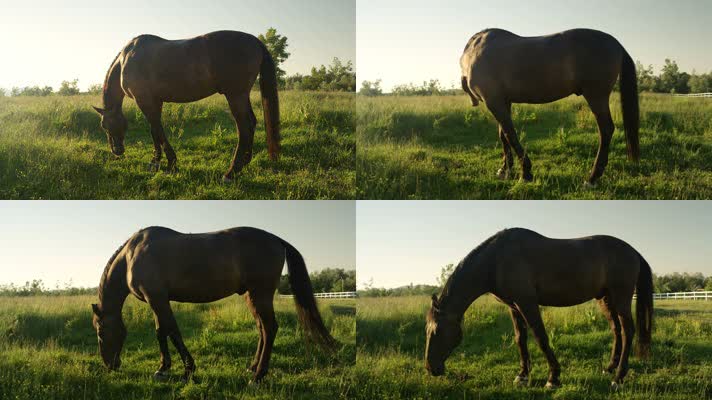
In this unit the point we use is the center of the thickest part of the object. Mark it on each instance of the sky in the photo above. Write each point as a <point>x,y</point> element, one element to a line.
<point>403,242</point>
<point>45,42</point>
<point>402,41</point>
<point>59,241</point>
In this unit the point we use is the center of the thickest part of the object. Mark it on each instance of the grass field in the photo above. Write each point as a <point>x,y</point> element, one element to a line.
<point>442,148</point>
<point>391,341</point>
<point>54,148</point>
<point>48,350</point>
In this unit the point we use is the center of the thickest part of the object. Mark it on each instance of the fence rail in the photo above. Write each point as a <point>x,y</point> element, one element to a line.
<point>333,295</point>
<point>706,295</point>
<point>693,95</point>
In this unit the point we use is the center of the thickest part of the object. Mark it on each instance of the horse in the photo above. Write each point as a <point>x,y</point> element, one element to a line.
<point>158,265</point>
<point>523,270</point>
<point>500,68</point>
<point>152,71</point>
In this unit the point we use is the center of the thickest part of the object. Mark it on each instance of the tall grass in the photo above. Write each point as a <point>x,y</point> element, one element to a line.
<point>54,148</point>
<point>391,341</point>
<point>48,349</point>
<point>440,147</point>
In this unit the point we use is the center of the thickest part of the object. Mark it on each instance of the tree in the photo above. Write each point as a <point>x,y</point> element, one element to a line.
<point>3,93</point>
<point>69,88</point>
<point>672,80</point>
<point>647,81</point>
<point>445,273</point>
<point>277,46</point>
<point>369,88</point>
<point>700,83</point>
<point>95,89</point>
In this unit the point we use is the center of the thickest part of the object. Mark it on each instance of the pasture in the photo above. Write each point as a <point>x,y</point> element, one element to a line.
<point>48,349</point>
<point>440,147</point>
<point>54,148</point>
<point>391,342</point>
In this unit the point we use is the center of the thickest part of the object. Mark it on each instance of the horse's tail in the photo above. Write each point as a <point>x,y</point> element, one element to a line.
<point>308,314</point>
<point>644,308</point>
<point>629,104</point>
<point>270,102</point>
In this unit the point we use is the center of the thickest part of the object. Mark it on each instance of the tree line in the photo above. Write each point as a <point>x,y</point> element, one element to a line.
<point>323,281</point>
<point>338,76</point>
<point>666,283</point>
<point>669,80</point>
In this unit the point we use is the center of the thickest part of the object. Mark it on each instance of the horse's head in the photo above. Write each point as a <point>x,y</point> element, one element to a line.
<point>111,332</point>
<point>115,125</point>
<point>443,334</point>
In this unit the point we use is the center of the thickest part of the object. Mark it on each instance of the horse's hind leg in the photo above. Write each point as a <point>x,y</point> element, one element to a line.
<point>166,325</point>
<point>245,120</point>
<point>507,161</point>
<point>520,336</point>
<point>260,342</point>
<point>628,330</point>
<point>265,312</point>
<point>609,311</point>
<point>502,112</point>
<point>530,311</point>
<point>599,107</point>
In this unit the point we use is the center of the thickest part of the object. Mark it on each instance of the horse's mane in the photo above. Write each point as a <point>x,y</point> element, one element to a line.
<point>105,274</point>
<point>463,267</point>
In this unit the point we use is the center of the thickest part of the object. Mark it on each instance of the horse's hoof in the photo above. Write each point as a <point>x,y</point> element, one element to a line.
<point>227,179</point>
<point>521,381</point>
<point>161,376</point>
<point>154,167</point>
<point>615,386</point>
<point>551,385</point>
<point>502,174</point>
<point>589,185</point>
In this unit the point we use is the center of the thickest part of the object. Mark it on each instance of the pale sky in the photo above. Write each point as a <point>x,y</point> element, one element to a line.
<point>402,242</point>
<point>61,240</point>
<point>402,41</point>
<point>45,42</point>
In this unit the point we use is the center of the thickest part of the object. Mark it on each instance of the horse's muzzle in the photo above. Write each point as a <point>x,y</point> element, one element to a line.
<point>118,151</point>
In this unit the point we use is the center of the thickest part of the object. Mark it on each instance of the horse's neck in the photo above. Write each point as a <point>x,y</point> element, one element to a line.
<point>468,282</point>
<point>113,288</point>
<point>113,94</point>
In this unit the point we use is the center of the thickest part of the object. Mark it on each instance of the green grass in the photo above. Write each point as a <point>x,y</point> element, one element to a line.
<point>48,350</point>
<point>54,148</point>
<point>391,341</point>
<point>442,148</point>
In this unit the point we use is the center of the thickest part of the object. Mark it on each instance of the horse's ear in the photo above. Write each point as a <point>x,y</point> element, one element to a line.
<point>95,309</point>
<point>99,110</point>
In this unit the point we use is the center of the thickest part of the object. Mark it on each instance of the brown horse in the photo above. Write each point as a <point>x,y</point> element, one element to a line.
<point>501,68</point>
<point>159,265</point>
<point>523,270</point>
<point>152,71</point>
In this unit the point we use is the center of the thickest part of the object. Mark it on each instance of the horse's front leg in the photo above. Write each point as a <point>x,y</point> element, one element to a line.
<point>520,336</point>
<point>153,110</point>
<point>166,326</point>
<point>502,112</point>
<point>530,311</point>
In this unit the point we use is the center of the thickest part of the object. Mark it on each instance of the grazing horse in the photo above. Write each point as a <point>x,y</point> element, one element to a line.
<point>501,68</point>
<point>159,265</point>
<point>153,71</point>
<point>523,270</point>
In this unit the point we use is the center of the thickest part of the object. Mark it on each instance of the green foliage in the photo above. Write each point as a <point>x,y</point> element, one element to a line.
<point>35,91</point>
<point>677,282</point>
<point>49,350</point>
<point>3,92</point>
<point>54,148</point>
<point>445,273</point>
<point>369,88</point>
<point>440,147</point>
<point>277,46</point>
<point>327,280</point>
<point>336,77</point>
<point>69,88</point>
<point>391,348</point>
<point>407,290</point>
<point>428,88</point>
<point>96,88</point>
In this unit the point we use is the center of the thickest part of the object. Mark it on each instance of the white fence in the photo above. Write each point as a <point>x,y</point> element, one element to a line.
<point>694,95</point>
<point>333,295</point>
<point>683,296</point>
